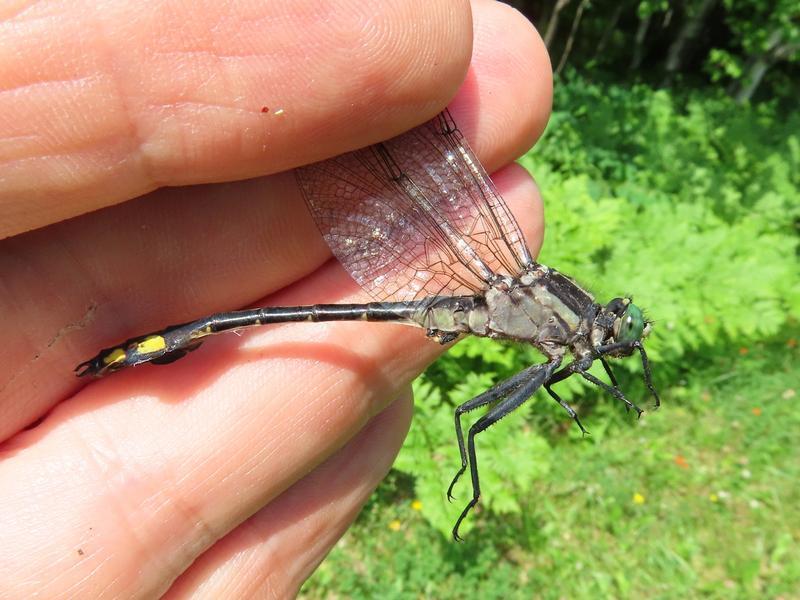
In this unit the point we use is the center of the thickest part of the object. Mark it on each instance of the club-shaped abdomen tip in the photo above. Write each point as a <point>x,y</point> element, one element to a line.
<point>107,360</point>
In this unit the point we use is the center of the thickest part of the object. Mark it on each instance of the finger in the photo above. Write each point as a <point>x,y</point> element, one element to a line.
<point>274,551</point>
<point>181,253</point>
<point>154,465</point>
<point>164,94</point>
<point>511,73</point>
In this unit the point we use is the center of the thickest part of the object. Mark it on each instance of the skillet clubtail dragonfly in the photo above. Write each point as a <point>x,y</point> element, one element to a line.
<point>418,223</point>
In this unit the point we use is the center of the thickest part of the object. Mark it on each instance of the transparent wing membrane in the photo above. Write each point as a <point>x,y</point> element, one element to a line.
<point>415,216</point>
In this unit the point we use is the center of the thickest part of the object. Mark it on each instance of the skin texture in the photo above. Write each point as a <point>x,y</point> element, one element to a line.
<point>237,468</point>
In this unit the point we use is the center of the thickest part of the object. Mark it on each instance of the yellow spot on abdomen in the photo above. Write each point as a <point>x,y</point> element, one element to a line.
<point>115,356</point>
<point>151,344</point>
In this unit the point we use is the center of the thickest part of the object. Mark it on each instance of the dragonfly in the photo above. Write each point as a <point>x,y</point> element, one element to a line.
<point>421,227</point>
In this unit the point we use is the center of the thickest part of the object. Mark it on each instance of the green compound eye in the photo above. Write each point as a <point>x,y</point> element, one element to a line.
<point>631,324</point>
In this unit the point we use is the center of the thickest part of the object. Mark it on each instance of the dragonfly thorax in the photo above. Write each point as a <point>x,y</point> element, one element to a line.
<point>543,307</point>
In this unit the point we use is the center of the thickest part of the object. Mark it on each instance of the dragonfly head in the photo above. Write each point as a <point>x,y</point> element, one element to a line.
<point>627,324</point>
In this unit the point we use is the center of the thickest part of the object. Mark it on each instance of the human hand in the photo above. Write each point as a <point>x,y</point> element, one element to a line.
<point>239,467</point>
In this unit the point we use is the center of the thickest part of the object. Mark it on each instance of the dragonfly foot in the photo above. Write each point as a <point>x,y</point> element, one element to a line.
<point>450,496</point>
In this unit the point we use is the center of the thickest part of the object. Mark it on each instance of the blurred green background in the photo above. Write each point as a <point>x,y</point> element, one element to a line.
<point>670,170</point>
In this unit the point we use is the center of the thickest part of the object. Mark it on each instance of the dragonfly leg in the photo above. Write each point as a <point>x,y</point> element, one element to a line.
<point>566,407</point>
<point>521,392</point>
<point>608,370</point>
<point>567,371</point>
<point>497,392</point>
<point>628,347</point>
<point>614,391</point>
<point>648,379</point>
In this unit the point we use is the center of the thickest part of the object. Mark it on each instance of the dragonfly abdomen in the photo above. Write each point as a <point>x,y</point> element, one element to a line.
<point>175,341</point>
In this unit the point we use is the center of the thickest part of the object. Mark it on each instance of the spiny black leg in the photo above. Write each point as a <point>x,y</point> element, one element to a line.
<point>648,380</point>
<point>569,370</point>
<point>563,374</point>
<point>497,392</point>
<point>611,390</point>
<point>566,407</point>
<point>540,374</point>
<point>609,372</point>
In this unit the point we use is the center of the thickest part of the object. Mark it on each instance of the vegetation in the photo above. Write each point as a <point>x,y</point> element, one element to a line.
<point>750,46</point>
<point>690,199</point>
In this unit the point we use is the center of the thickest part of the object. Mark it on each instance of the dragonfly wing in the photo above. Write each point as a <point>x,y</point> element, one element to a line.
<point>462,191</point>
<point>415,216</point>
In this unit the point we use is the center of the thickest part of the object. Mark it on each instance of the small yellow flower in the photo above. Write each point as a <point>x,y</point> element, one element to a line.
<point>638,498</point>
<point>713,497</point>
<point>416,505</point>
<point>394,525</point>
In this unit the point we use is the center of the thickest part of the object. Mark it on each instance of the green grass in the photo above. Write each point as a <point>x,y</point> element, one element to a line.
<point>699,499</point>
